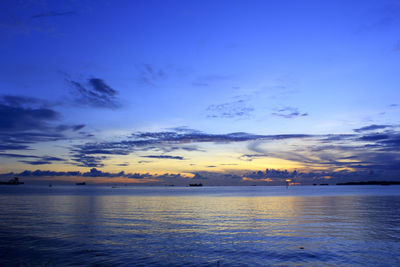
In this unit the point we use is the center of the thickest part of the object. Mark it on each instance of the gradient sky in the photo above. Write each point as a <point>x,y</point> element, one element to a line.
<point>171,92</point>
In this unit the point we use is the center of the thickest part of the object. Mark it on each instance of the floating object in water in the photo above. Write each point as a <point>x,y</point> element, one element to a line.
<point>83,183</point>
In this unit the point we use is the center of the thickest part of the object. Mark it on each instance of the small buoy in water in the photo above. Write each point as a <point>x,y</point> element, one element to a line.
<point>301,247</point>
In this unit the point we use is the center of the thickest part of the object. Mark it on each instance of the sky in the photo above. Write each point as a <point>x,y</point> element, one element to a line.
<point>217,92</point>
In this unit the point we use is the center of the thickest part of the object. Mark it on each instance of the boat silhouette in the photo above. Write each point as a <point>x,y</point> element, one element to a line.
<point>196,184</point>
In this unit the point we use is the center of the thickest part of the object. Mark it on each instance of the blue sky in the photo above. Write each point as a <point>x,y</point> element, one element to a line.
<point>99,84</point>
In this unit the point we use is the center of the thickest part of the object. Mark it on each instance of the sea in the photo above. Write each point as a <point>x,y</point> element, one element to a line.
<point>200,226</point>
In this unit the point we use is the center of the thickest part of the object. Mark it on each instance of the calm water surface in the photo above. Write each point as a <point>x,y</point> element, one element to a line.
<point>207,226</point>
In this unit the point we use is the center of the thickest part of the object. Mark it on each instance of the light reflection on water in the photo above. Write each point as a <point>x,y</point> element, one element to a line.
<point>241,226</point>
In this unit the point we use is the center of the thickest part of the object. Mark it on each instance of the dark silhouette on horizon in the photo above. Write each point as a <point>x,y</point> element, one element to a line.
<point>14,181</point>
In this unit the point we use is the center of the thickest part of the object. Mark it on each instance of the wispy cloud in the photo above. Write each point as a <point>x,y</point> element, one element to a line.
<point>53,14</point>
<point>289,113</point>
<point>164,157</point>
<point>209,80</point>
<point>38,160</point>
<point>375,25</point>
<point>372,127</point>
<point>94,93</point>
<point>150,75</point>
<point>234,109</point>
<point>366,150</point>
<point>92,154</point>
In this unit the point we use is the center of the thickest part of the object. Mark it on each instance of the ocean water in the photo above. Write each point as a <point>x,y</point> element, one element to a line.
<point>201,226</point>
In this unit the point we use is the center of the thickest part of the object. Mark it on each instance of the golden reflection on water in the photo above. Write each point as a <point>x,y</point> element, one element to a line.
<point>284,216</point>
<point>201,228</point>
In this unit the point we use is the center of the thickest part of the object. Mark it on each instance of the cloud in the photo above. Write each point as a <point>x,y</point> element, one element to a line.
<point>289,113</point>
<point>163,157</point>
<point>144,161</point>
<point>16,117</point>
<point>268,176</point>
<point>36,162</point>
<point>250,157</point>
<point>379,24</point>
<point>371,127</point>
<point>84,160</point>
<point>28,16</point>
<point>123,164</point>
<point>13,155</point>
<point>94,93</point>
<point>387,14</point>
<point>27,120</point>
<point>150,75</point>
<point>375,152</point>
<point>53,14</point>
<point>91,154</point>
<point>235,109</point>
<point>93,173</point>
<point>374,137</point>
<point>21,114</point>
<point>208,80</point>
<point>39,160</point>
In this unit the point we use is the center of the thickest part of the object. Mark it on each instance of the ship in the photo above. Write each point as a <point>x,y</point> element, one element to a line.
<point>195,184</point>
<point>82,183</point>
<point>14,181</point>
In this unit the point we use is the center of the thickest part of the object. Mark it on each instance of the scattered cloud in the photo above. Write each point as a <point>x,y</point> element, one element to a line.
<point>94,93</point>
<point>91,154</point>
<point>235,109</point>
<point>209,80</point>
<point>289,113</point>
<point>84,160</point>
<point>163,157</point>
<point>385,17</point>
<point>372,127</point>
<point>39,160</point>
<point>379,24</point>
<point>377,152</point>
<point>24,17</point>
<point>150,75</point>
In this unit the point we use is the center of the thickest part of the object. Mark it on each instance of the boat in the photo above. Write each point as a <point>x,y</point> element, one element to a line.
<point>82,183</point>
<point>14,181</point>
<point>196,184</point>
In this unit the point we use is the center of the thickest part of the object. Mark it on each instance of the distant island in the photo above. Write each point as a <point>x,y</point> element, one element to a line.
<point>14,181</point>
<point>371,183</point>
